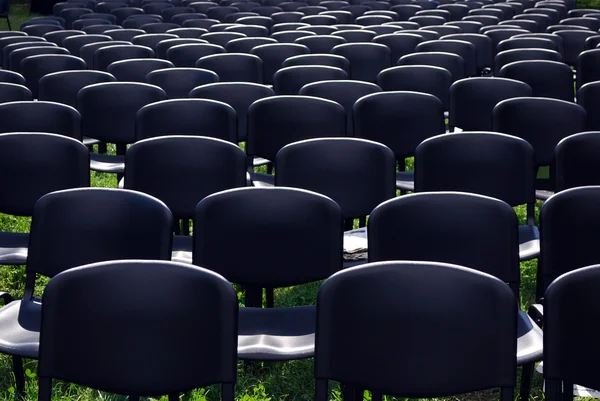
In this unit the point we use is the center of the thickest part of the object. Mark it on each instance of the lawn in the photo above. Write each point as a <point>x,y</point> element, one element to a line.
<point>256,382</point>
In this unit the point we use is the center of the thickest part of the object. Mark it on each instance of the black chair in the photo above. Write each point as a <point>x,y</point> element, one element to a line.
<point>358,178</point>
<point>11,77</point>
<point>202,6</point>
<point>137,23</point>
<point>63,86</point>
<point>72,14</point>
<point>105,56</point>
<point>179,82</point>
<point>200,23</point>
<point>573,44</point>
<point>564,307</point>
<point>87,51</point>
<point>290,36</point>
<point>254,31</point>
<point>188,33</point>
<point>322,30</point>
<point>181,171</point>
<point>498,35</point>
<point>488,12</point>
<point>273,56</point>
<point>285,17</point>
<point>169,13</point>
<point>320,44</point>
<point>57,37</point>
<point>549,79</point>
<point>472,100</point>
<point>289,80</point>
<point>195,117</point>
<point>483,46</point>
<point>399,120</point>
<point>250,216</point>
<point>5,41</point>
<point>245,45</point>
<point>136,70</point>
<point>355,35</point>
<point>390,295</point>
<point>233,67</point>
<point>575,161</point>
<point>163,46</point>
<point>121,14</point>
<point>471,27</point>
<point>16,56</point>
<point>366,59</point>
<point>287,27</point>
<point>527,43</point>
<point>84,23</point>
<point>74,43</point>
<point>435,81</point>
<point>267,22</point>
<point>558,41</point>
<point>221,27</point>
<point>99,29</point>
<point>555,15</point>
<point>428,20</point>
<point>156,7</point>
<point>187,55</point>
<point>108,112</point>
<point>134,226</point>
<point>588,96</point>
<point>151,40</point>
<point>457,11</point>
<point>40,116</point>
<point>509,56</point>
<point>14,93</point>
<point>528,25</point>
<point>451,62</point>
<point>221,38</point>
<point>587,66</point>
<point>159,27</point>
<point>400,44</point>
<point>330,60</point>
<point>204,296</point>
<point>219,13</point>
<point>543,123</point>
<point>463,49</point>
<point>10,48</point>
<point>303,117</point>
<point>590,23</point>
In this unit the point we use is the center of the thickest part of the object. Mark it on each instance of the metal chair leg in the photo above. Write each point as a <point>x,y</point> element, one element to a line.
<point>526,375</point>
<point>19,374</point>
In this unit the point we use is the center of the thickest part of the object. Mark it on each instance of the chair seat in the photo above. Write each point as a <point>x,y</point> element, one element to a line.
<point>20,328</point>
<point>262,180</point>
<point>543,195</point>
<point>530,341</point>
<point>107,163</point>
<point>276,334</point>
<point>529,242</point>
<point>13,248</point>
<point>405,180</point>
<point>182,248</point>
<point>90,141</point>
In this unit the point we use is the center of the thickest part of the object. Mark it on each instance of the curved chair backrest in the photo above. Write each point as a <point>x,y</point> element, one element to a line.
<point>527,43</point>
<point>366,59</point>
<point>151,40</point>
<point>163,46</point>
<point>63,86</point>
<point>34,164</point>
<point>107,55</point>
<point>14,93</point>
<point>452,62</point>
<point>588,96</point>
<point>74,43</point>
<point>510,56</point>
<point>330,60</point>
<point>483,46</point>
<point>187,55</point>
<point>573,43</point>
<point>5,41</point>
<point>289,80</point>
<point>136,70</point>
<point>465,50</point>
<point>244,45</point>
<point>410,293</point>
<point>16,56</point>
<point>575,160</point>
<point>188,33</point>
<point>549,79</point>
<point>179,82</point>
<point>87,51</point>
<point>273,56</point>
<point>588,64</point>
<point>58,36</point>
<point>233,67</point>
<point>320,44</point>
<point>35,67</point>
<point>558,41</point>
<point>15,46</point>
<point>399,44</point>
<point>47,117</point>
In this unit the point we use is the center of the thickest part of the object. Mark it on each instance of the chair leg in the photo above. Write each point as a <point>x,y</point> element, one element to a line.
<point>134,398</point>
<point>19,374</point>
<point>45,389</point>
<point>526,375</point>
<point>567,393</point>
<point>8,22</point>
<point>102,148</point>
<point>376,396</point>
<point>351,393</point>
<point>227,392</point>
<point>174,397</point>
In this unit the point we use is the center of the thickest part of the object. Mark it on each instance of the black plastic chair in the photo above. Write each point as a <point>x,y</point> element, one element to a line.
<point>14,93</point>
<point>233,67</point>
<point>549,79</point>
<point>63,86</point>
<point>590,23</point>
<point>509,56</point>
<point>467,26</point>
<point>136,70</point>
<point>138,227</point>
<point>400,44</point>
<point>435,81</point>
<point>181,171</point>
<point>121,14</point>
<point>366,59</point>
<point>156,7</point>
<point>57,37</point>
<point>105,56</point>
<point>330,60</point>
<point>457,11</point>
<point>528,25</point>
<point>219,13</point>
<point>427,20</point>
<point>399,120</point>
<point>87,51</point>
<point>254,31</point>
<point>290,36</point>
<point>303,117</point>
<point>188,33</point>
<point>5,41</point>
<point>498,35</point>
<point>355,35</point>
<point>187,55</point>
<point>221,27</point>
<point>74,43</point>
<point>151,40</point>
<point>550,36</point>
<point>391,295</point>
<point>250,216</point>
<point>575,161</point>
<point>200,23</point>
<point>108,112</point>
<point>169,13</point>
<point>273,56</point>
<point>84,23</point>
<point>289,80</point>
<point>221,38</point>
<point>204,296</point>
<point>195,117</point>
<point>555,15</point>
<point>40,116</point>
<point>163,46</point>
<point>321,44</point>
<point>573,44</point>
<point>322,30</point>
<point>527,43</point>
<point>483,46</point>
<point>346,93</point>
<point>245,45</point>
<point>137,23</point>
<point>405,11</point>
<point>11,77</point>
<point>159,27</point>
<point>472,100</point>
<point>588,96</point>
<point>451,62</point>
<point>588,63</point>
<point>12,47</point>
<point>543,123</point>
<point>285,17</point>
<point>16,56</point>
<point>465,50</point>
<point>178,82</point>
<point>424,33</point>
<point>287,27</point>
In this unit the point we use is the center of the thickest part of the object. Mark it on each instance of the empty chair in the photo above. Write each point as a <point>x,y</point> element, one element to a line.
<point>405,11</point>
<point>287,27</point>
<point>50,117</point>
<point>319,29</point>
<point>198,117</point>
<point>219,13</point>
<point>573,44</point>
<point>289,80</point>
<point>290,36</point>
<point>169,13</point>
<point>99,29</point>
<point>319,20</point>
<point>74,43</point>
<point>202,6</point>
<point>163,46</point>
<point>435,12</point>
<point>590,23</point>
<point>63,86</point>
<point>526,24</point>
<point>457,11</point>
<point>588,96</point>
<point>137,23</point>
<point>575,161</point>
<point>330,60</point>
<point>449,61</point>
<point>435,81</point>
<point>550,79</point>
<point>178,82</point>
<point>187,55</point>
<point>558,41</point>
<point>542,122</point>
<point>273,56</point>
<point>119,103</point>
<point>107,7</point>
<point>488,11</point>
<point>221,27</point>
<point>399,44</point>
<point>472,100</point>
<point>383,29</point>
<point>321,44</point>
<point>249,30</point>
<point>87,51</point>
<point>257,20</point>
<point>461,48</point>
<point>373,20</point>
<point>425,34</point>
<point>485,20</point>
<point>58,36</point>
<point>245,45</point>
<point>205,293</point>
<point>21,45</point>
<point>136,70</point>
<point>267,11</point>
<point>200,23</point>
<point>18,39</point>
<point>151,40</point>
<point>14,93</point>
<point>270,333</point>
<point>483,47</point>
<point>156,7</point>
<point>557,28</point>
<point>498,35</point>
<point>428,20</point>
<point>188,33</point>
<point>527,43</point>
<point>587,67</point>
<point>542,20</point>
<point>467,26</point>
<point>233,67</point>
<point>592,42</point>
<point>18,55</point>
<point>121,14</point>
<point>311,10</point>
<point>221,38</point>
<point>285,18</point>
<point>353,295</point>
<point>35,67</point>
<point>356,35</point>
<point>509,56</point>
<point>11,77</point>
<point>366,59</point>
<point>444,30</point>
<point>107,55</point>
<point>159,27</point>
<point>73,14</point>
<point>83,23</point>
<point>555,15</point>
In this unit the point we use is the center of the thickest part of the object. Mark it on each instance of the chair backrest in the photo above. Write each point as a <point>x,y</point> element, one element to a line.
<point>366,59</point>
<point>472,100</point>
<point>58,36</point>
<point>273,55</point>
<point>320,44</point>
<point>107,55</point>
<point>109,109</point>
<point>452,62</point>
<point>288,219</point>
<point>452,334</point>
<point>566,243</point>
<point>201,313</point>
<point>196,117</point>
<point>276,121</point>
<point>244,45</point>
<point>87,51</point>
<point>164,45</point>
<point>21,45</point>
<point>330,60</point>
<point>527,43</point>
<point>465,50</point>
<point>239,95</point>
<point>63,87</point>
<point>179,82</point>
<point>74,43</point>
<point>575,160</point>
<point>588,96</point>
<point>400,120</point>
<point>483,46</point>
<point>34,164</point>
<point>542,122</point>
<point>151,40</point>
<point>183,170</point>
<point>48,117</point>
<point>289,80</point>
<point>187,55</point>
<point>588,63</point>
<point>509,56</point>
<point>127,225</point>
<point>14,93</point>
<point>136,70</point>
<point>233,67</point>
<point>551,79</point>
<point>356,173</point>
<point>573,43</point>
